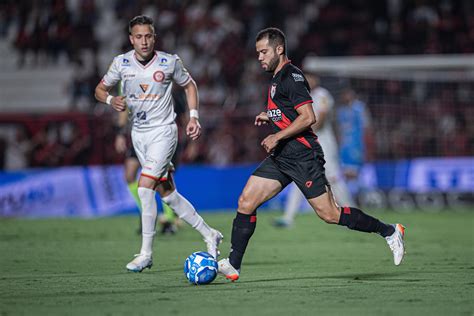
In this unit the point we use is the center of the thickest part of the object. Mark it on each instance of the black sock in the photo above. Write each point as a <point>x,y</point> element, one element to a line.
<point>242,229</point>
<point>355,219</point>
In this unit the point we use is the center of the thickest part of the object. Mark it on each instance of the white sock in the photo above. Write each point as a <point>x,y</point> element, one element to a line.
<point>293,203</point>
<point>149,213</point>
<point>185,210</point>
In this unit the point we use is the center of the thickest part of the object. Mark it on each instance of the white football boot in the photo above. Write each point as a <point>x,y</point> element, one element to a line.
<point>225,268</point>
<point>140,262</point>
<point>213,242</point>
<point>395,242</point>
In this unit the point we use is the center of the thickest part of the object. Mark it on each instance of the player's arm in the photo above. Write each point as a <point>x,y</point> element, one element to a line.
<point>262,118</point>
<point>193,129</point>
<point>102,95</point>
<point>121,131</point>
<point>303,121</point>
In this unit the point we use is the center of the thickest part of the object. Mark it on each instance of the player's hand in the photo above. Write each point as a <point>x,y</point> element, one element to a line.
<point>262,118</point>
<point>120,144</point>
<point>193,130</point>
<point>118,103</point>
<point>270,143</point>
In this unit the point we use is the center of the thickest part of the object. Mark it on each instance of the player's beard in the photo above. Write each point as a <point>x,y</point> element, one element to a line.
<point>273,64</point>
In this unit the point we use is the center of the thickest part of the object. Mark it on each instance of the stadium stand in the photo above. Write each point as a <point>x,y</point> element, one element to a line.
<point>57,50</point>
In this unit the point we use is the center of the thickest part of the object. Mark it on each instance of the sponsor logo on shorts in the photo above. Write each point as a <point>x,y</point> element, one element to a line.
<point>309,183</point>
<point>159,76</point>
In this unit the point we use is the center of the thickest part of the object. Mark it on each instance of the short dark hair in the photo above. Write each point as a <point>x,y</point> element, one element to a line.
<point>275,37</point>
<point>140,20</point>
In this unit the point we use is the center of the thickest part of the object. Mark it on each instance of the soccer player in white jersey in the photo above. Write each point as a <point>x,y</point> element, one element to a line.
<point>323,106</point>
<point>147,77</point>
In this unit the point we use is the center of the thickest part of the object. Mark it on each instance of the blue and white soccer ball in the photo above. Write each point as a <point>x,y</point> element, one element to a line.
<point>200,268</point>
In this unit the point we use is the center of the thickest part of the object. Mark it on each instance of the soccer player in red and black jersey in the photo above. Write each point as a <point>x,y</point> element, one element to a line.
<point>294,155</point>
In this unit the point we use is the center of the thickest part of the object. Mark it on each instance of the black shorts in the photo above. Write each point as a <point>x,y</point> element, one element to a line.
<point>306,169</point>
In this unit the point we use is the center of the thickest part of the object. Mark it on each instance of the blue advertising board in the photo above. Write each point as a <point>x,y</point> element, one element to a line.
<point>101,190</point>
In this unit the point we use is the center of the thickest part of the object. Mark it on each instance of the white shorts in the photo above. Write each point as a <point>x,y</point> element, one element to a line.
<point>154,149</point>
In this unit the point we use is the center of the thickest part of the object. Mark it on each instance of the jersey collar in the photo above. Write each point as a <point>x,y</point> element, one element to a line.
<point>282,66</point>
<point>148,64</point>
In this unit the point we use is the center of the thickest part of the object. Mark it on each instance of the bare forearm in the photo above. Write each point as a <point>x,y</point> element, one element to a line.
<point>101,93</point>
<point>300,124</point>
<point>192,96</point>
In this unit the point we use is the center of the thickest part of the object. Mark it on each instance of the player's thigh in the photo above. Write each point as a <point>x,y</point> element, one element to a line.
<point>257,191</point>
<point>266,181</point>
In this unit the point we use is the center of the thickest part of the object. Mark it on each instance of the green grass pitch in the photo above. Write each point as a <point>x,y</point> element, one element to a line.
<point>77,267</point>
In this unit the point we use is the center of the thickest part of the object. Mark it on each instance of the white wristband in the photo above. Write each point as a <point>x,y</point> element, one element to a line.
<point>194,113</point>
<point>109,99</point>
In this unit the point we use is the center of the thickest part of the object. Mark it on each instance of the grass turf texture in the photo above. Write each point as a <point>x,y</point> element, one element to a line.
<point>77,267</point>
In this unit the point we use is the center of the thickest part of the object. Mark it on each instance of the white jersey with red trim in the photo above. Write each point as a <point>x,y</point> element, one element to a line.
<point>148,88</point>
<point>323,102</point>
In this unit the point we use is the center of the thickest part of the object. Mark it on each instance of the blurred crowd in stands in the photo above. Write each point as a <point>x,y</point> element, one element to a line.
<point>216,41</point>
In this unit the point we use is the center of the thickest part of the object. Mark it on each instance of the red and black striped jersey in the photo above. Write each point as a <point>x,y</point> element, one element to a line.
<point>289,90</point>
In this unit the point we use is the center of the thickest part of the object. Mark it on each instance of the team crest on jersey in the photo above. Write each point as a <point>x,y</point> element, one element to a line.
<point>273,90</point>
<point>144,87</point>
<point>159,76</point>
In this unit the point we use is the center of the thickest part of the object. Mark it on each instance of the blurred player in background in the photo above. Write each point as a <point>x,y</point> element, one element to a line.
<point>353,131</point>
<point>294,155</point>
<point>131,166</point>
<point>147,78</point>
<point>323,107</point>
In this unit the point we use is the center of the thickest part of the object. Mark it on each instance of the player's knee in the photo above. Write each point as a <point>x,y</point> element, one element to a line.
<point>246,205</point>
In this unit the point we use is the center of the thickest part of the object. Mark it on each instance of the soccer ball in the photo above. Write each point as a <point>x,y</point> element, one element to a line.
<point>200,268</point>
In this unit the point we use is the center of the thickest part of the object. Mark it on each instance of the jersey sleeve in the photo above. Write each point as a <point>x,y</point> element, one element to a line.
<point>297,89</point>
<point>180,74</point>
<point>113,75</point>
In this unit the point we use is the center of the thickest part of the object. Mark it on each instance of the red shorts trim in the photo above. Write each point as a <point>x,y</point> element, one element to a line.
<point>154,178</point>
